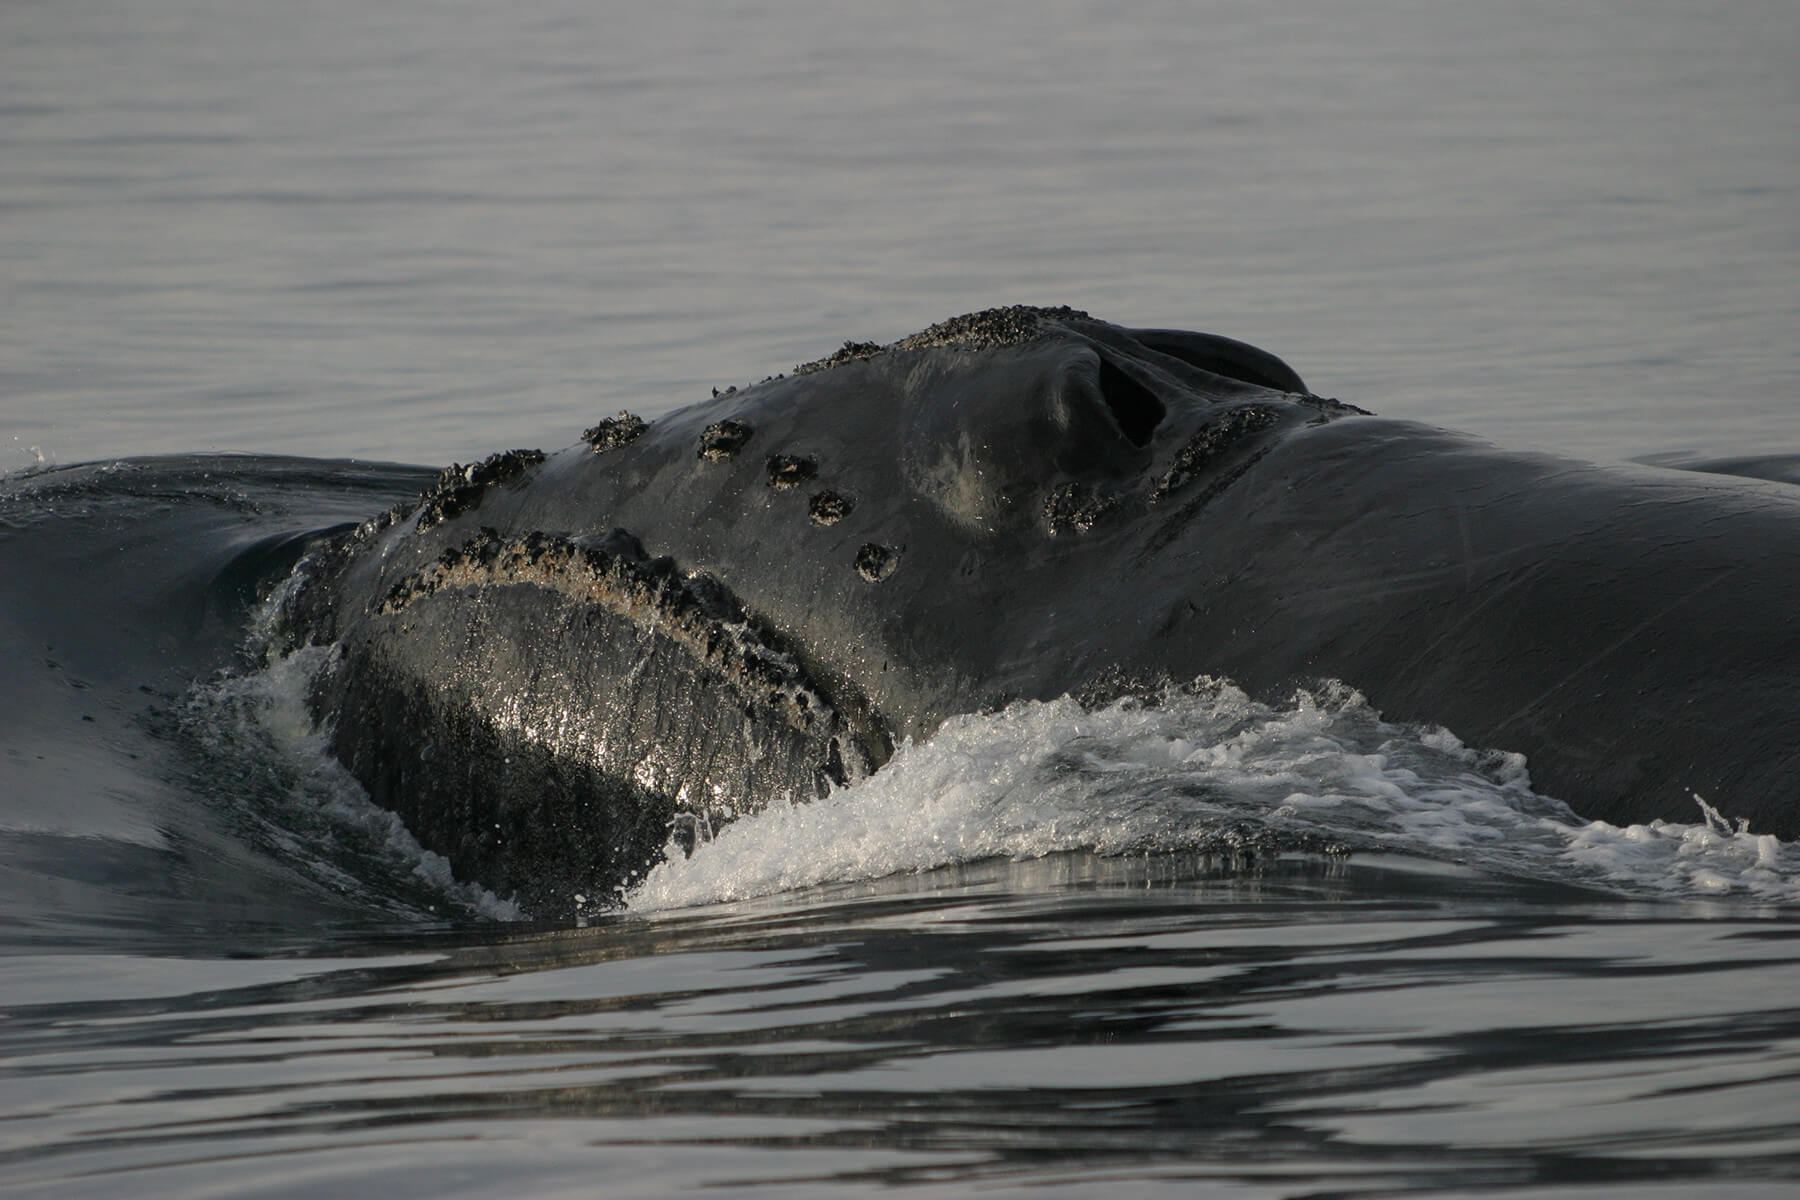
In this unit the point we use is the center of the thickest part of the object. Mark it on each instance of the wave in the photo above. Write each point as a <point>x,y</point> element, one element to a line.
<point>1206,769</point>
<point>254,733</point>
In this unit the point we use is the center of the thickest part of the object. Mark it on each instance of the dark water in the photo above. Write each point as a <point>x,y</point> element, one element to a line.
<point>1035,956</point>
<point>1294,1027</point>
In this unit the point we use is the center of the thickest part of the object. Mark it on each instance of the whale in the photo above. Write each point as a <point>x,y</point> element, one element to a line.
<point>555,667</point>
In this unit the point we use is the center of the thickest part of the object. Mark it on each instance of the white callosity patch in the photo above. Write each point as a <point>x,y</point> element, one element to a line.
<point>1206,767</point>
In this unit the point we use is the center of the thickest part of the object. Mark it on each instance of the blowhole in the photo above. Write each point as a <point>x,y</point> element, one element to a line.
<point>1134,407</point>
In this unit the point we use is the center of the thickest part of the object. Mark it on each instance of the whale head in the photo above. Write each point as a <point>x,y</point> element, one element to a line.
<point>553,664</point>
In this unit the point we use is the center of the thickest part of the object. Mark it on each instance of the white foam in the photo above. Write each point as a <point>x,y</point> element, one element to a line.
<point>1200,768</point>
<point>1713,857</point>
<point>322,818</point>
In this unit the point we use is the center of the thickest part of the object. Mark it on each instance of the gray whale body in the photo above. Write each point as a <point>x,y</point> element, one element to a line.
<point>549,662</point>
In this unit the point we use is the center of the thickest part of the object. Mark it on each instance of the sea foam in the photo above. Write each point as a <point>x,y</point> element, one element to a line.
<point>1207,768</point>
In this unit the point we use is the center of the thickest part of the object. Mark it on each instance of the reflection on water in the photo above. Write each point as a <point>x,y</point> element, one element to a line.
<point>1280,1026</point>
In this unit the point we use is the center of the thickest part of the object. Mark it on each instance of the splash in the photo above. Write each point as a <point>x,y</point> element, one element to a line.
<point>1206,768</point>
<point>21,459</point>
<point>1713,857</point>
<point>295,800</point>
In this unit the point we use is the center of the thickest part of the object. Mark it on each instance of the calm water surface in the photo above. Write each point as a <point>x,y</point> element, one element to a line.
<point>408,230</point>
<point>1297,1027</point>
<point>418,232</point>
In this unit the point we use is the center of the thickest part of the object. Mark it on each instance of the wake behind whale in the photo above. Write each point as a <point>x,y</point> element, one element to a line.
<point>782,602</point>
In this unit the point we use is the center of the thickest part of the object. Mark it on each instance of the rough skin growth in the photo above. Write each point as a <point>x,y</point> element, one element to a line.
<point>614,432</point>
<point>1073,507</point>
<point>828,508</point>
<point>459,489</point>
<point>789,471</point>
<point>723,439</point>
<point>875,562</point>
<point>698,613</point>
<point>1236,425</point>
<point>990,327</point>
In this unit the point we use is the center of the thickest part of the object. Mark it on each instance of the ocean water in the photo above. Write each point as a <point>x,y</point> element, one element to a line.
<point>1048,951</point>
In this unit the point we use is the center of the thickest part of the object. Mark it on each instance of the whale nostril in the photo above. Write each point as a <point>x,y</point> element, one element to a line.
<point>1134,407</point>
<point>1224,356</point>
